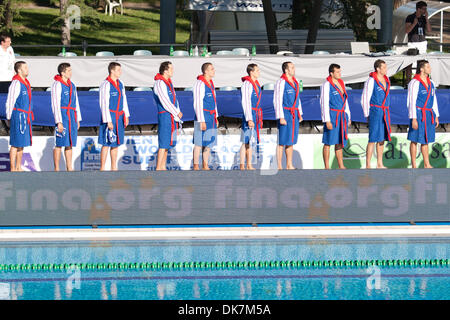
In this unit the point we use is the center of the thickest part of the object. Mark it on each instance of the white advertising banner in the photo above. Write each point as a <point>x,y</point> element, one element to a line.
<point>140,152</point>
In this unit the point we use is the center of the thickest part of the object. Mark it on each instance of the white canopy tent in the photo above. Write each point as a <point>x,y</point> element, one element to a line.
<point>398,29</point>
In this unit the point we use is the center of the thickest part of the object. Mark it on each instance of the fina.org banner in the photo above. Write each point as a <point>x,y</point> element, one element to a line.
<point>139,153</point>
<point>223,197</point>
<point>238,5</point>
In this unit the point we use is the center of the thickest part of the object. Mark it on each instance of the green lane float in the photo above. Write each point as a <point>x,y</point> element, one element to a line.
<point>226,265</point>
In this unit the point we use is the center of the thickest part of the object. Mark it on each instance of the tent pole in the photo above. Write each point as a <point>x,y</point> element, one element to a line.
<point>442,29</point>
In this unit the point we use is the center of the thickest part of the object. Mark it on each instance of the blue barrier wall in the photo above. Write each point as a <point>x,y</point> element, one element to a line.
<point>143,108</point>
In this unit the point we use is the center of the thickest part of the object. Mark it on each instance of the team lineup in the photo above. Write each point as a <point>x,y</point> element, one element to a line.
<point>421,103</point>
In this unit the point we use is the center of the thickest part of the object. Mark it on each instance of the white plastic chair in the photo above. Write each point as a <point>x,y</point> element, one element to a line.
<point>142,53</point>
<point>320,52</point>
<point>68,54</point>
<point>104,54</point>
<point>94,89</point>
<point>142,89</point>
<point>228,88</point>
<point>281,53</point>
<point>48,89</point>
<point>112,5</point>
<point>225,53</point>
<point>396,88</point>
<point>180,53</point>
<point>269,86</point>
<point>241,51</point>
<point>189,89</point>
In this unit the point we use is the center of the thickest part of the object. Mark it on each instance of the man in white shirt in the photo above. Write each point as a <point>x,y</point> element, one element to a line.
<point>7,60</point>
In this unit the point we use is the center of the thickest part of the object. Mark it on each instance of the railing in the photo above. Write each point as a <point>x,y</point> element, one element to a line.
<point>289,43</point>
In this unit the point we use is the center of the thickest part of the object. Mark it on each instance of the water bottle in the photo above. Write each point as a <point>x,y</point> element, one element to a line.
<point>301,85</point>
<point>60,134</point>
<point>191,51</point>
<point>171,51</point>
<point>64,51</point>
<point>196,51</point>
<point>253,50</point>
<point>205,51</point>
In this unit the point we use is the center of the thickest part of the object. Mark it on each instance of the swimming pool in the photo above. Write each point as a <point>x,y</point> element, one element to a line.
<point>327,268</point>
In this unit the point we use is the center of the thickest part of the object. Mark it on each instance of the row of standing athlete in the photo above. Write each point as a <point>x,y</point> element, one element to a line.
<point>115,114</point>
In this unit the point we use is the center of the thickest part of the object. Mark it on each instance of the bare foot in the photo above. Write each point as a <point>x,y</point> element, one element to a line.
<point>290,168</point>
<point>161,169</point>
<point>381,167</point>
<point>250,168</point>
<point>205,168</point>
<point>196,167</point>
<point>342,168</point>
<point>428,166</point>
<point>242,167</point>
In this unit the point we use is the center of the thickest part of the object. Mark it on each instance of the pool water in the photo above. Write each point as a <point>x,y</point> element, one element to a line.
<point>259,283</point>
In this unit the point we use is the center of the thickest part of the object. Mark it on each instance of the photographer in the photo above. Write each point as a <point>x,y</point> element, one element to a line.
<point>417,26</point>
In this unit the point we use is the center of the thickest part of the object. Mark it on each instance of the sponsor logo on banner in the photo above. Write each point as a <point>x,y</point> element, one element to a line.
<point>396,152</point>
<point>27,162</point>
<point>90,156</point>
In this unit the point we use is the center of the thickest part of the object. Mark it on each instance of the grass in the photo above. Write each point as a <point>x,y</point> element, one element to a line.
<point>135,26</point>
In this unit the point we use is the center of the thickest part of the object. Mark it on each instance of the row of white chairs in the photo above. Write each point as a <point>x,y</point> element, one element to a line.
<point>183,53</point>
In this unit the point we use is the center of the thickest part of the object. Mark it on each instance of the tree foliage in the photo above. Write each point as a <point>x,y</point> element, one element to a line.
<point>9,9</point>
<point>88,16</point>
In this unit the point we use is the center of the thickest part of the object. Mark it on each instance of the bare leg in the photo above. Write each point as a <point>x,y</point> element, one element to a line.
<point>248,154</point>
<point>68,156</point>
<point>196,156</point>
<point>380,148</point>
<point>242,155</point>
<point>165,159</point>
<point>413,152</point>
<point>326,156</point>
<point>289,152</point>
<point>426,156</point>
<point>338,149</point>
<point>56,157</point>
<point>114,152</point>
<point>103,156</point>
<point>369,153</point>
<point>160,164</point>
<point>19,159</point>
<point>206,153</point>
<point>280,156</point>
<point>12,158</point>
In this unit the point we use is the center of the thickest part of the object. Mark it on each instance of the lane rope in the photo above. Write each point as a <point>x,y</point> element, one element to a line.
<point>227,265</point>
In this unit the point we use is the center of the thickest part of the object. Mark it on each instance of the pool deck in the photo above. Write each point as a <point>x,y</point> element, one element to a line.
<point>162,233</point>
